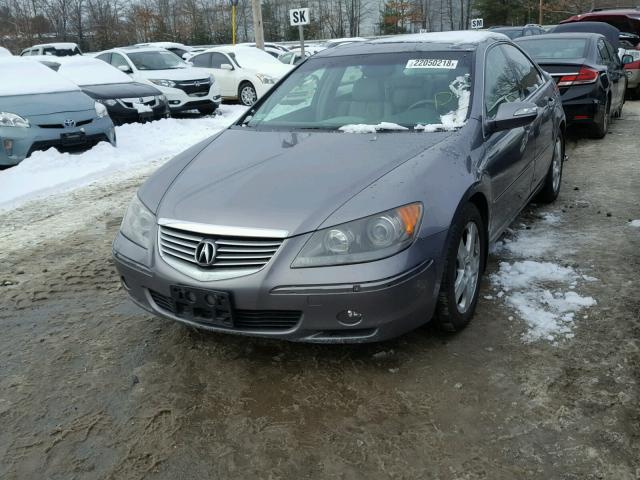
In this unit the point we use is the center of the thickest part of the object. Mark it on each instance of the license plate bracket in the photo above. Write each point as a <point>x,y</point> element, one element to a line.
<point>212,307</point>
<point>74,138</point>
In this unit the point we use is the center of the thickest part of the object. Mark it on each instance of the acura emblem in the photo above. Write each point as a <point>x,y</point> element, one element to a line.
<point>68,123</point>
<point>205,254</point>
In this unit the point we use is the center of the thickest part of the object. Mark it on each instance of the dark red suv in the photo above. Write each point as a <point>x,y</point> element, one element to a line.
<point>624,19</point>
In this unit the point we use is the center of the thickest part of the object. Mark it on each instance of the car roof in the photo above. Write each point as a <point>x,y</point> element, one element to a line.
<point>228,48</point>
<point>586,35</point>
<point>135,49</point>
<point>64,45</point>
<point>622,12</point>
<point>457,40</point>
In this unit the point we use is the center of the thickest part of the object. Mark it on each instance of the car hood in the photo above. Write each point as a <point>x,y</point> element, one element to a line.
<point>46,103</point>
<point>120,90</point>
<point>189,73</point>
<point>283,180</point>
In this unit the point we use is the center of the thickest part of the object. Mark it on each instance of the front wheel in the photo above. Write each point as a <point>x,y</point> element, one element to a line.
<point>553,179</point>
<point>464,265</point>
<point>247,94</point>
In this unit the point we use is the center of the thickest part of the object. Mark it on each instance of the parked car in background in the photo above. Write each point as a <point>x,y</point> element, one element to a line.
<point>632,70</point>
<point>611,33</point>
<point>272,49</point>
<point>624,19</point>
<point>242,73</point>
<point>291,224</point>
<point>193,51</point>
<point>186,87</point>
<point>55,49</point>
<point>179,49</point>
<point>126,100</point>
<point>293,58</point>
<point>588,72</point>
<point>311,48</point>
<point>336,42</point>
<point>517,32</point>
<point>40,109</point>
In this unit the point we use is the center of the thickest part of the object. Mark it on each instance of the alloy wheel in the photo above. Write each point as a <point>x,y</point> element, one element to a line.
<point>557,164</point>
<point>467,267</point>
<point>248,95</point>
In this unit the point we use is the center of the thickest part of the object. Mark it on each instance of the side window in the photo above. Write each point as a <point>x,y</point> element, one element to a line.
<point>286,58</point>
<point>612,54</point>
<point>118,60</point>
<point>603,53</point>
<point>217,59</point>
<point>527,75</point>
<point>500,85</point>
<point>105,57</point>
<point>202,60</point>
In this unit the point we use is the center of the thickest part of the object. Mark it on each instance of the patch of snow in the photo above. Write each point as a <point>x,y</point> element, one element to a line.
<point>26,77</point>
<point>551,218</point>
<point>4,52</point>
<point>635,223</point>
<point>461,89</point>
<point>364,128</point>
<point>139,145</point>
<point>527,273</point>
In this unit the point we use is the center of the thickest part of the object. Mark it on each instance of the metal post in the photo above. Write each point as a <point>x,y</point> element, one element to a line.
<point>257,23</point>
<point>540,16</point>
<point>233,24</point>
<point>301,30</point>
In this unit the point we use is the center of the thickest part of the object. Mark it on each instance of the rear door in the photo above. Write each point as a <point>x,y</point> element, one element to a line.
<point>536,89</point>
<point>604,56</point>
<point>509,153</point>
<point>618,67</point>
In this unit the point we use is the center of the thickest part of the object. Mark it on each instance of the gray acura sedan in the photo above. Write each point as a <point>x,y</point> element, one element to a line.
<point>356,200</point>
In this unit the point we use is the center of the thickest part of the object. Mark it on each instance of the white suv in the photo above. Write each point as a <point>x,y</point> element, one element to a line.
<point>185,87</point>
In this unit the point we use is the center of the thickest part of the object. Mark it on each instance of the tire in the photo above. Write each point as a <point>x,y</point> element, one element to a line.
<point>247,94</point>
<point>464,265</point>
<point>553,179</point>
<point>207,109</point>
<point>601,126</point>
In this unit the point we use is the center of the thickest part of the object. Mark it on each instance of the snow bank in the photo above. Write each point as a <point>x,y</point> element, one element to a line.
<point>139,145</point>
<point>364,128</point>
<point>543,293</point>
<point>26,77</point>
<point>634,223</point>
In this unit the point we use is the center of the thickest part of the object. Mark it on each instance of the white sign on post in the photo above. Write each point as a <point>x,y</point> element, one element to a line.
<point>477,23</point>
<point>299,16</point>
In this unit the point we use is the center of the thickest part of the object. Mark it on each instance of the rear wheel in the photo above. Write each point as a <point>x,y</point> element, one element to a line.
<point>464,262</point>
<point>552,181</point>
<point>601,126</point>
<point>247,94</point>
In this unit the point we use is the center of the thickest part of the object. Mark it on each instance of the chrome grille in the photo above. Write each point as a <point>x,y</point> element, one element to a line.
<point>234,254</point>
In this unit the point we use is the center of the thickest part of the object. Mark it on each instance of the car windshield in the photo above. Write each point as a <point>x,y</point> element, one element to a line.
<point>249,57</point>
<point>156,60</point>
<point>389,91</point>
<point>550,48</point>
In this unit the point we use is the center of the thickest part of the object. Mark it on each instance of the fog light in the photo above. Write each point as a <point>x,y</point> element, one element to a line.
<point>349,317</point>
<point>8,146</point>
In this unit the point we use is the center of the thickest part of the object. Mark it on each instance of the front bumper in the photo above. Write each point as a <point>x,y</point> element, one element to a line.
<point>180,101</point>
<point>25,141</point>
<point>392,296</point>
<point>121,114</point>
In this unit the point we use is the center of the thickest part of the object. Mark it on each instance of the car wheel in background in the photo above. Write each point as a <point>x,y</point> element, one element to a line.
<point>601,126</point>
<point>553,180</point>
<point>247,94</point>
<point>464,265</point>
<point>207,109</point>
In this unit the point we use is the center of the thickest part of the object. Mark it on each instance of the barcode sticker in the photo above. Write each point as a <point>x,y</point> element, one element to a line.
<point>431,63</point>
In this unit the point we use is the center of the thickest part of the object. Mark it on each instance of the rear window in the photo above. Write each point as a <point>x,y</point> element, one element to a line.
<point>560,48</point>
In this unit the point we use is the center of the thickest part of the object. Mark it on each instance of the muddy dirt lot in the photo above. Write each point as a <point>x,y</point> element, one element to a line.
<point>93,388</point>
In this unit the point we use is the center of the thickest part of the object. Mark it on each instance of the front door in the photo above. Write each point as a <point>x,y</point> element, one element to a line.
<point>225,78</point>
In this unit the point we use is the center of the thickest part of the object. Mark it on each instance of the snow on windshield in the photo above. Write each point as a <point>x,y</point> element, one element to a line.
<point>21,76</point>
<point>89,71</point>
<point>461,89</point>
<point>364,128</point>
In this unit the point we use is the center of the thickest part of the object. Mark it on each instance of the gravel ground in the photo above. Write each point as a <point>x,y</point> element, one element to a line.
<point>93,388</point>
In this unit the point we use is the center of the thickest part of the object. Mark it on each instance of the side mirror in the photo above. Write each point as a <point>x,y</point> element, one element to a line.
<point>125,69</point>
<point>226,66</point>
<point>626,59</point>
<point>513,115</point>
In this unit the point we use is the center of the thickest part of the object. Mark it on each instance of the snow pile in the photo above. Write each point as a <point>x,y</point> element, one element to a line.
<point>461,89</point>
<point>536,291</point>
<point>543,293</point>
<point>635,223</point>
<point>139,145</point>
<point>364,128</point>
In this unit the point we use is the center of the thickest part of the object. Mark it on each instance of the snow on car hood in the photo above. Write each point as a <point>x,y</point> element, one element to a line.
<point>282,180</point>
<point>21,76</point>
<point>180,74</point>
<point>47,103</point>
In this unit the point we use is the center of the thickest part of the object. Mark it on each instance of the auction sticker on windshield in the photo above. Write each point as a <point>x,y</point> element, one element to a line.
<point>431,63</point>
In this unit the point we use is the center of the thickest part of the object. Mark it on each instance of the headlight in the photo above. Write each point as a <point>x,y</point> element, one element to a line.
<point>137,223</point>
<point>364,240</point>
<point>164,83</point>
<point>101,110</point>
<point>12,120</point>
<point>266,79</point>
